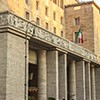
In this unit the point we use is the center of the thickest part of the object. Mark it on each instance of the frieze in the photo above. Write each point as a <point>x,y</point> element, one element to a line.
<point>11,19</point>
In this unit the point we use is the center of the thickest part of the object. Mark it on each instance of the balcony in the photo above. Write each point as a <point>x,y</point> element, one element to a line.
<point>10,20</point>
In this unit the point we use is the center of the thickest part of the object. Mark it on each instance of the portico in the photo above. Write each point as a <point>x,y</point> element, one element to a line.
<point>44,64</point>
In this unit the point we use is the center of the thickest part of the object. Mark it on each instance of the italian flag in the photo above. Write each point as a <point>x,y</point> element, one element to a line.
<point>80,36</point>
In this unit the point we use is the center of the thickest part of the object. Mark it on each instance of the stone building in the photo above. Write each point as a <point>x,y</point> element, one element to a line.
<point>36,63</point>
<point>86,16</point>
<point>49,14</point>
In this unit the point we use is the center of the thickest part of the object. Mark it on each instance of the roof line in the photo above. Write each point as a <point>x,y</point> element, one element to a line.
<point>83,3</point>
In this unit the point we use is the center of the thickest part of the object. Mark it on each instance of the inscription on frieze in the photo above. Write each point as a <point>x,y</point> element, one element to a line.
<point>16,22</point>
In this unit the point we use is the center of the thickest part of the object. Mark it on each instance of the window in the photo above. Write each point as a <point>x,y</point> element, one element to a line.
<point>54,15</point>
<point>61,3</point>
<point>77,21</point>
<point>37,5</point>
<point>46,11</point>
<point>61,20</point>
<point>27,15</point>
<point>54,29</point>
<point>62,34</point>
<point>27,2</point>
<point>47,26</point>
<point>37,21</point>
<point>78,37</point>
<point>55,1</point>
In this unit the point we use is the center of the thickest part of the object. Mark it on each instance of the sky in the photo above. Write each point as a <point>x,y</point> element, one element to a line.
<point>97,1</point>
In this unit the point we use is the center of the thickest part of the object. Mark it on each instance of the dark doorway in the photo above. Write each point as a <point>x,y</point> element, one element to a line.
<point>33,82</point>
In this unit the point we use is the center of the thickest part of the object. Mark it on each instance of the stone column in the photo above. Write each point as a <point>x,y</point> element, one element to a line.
<point>42,75</point>
<point>52,77</point>
<point>72,81</point>
<point>80,82</point>
<point>88,81</point>
<point>97,83</point>
<point>63,76</point>
<point>93,83</point>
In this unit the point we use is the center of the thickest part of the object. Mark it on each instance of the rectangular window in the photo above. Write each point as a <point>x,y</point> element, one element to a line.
<point>54,30</point>
<point>78,37</point>
<point>46,11</point>
<point>37,21</point>
<point>27,15</point>
<point>55,1</point>
<point>62,34</point>
<point>61,3</point>
<point>27,2</point>
<point>37,5</point>
<point>47,26</point>
<point>77,21</point>
<point>54,15</point>
<point>61,20</point>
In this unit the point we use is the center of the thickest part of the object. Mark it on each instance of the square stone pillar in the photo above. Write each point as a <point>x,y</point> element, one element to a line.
<point>52,75</point>
<point>16,68</point>
<point>62,76</point>
<point>97,80</point>
<point>88,80</point>
<point>3,65</point>
<point>42,75</point>
<point>72,80</point>
<point>93,84</point>
<point>80,81</point>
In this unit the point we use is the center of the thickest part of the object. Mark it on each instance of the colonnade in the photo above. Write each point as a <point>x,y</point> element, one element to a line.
<point>60,77</point>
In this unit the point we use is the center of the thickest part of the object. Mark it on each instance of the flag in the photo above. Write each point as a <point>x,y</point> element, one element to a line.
<point>79,36</point>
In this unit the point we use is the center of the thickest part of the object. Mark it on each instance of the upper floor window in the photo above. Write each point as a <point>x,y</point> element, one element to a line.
<point>55,1</point>
<point>78,37</point>
<point>27,2</point>
<point>62,35</point>
<point>46,10</point>
<point>54,15</point>
<point>37,5</point>
<point>77,21</point>
<point>54,29</point>
<point>61,3</point>
<point>61,20</point>
<point>47,25</point>
<point>37,21</point>
<point>27,15</point>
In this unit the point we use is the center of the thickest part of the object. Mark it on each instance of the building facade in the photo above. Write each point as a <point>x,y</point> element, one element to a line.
<point>36,64</point>
<point>84,16</point>
<point>48,14</point>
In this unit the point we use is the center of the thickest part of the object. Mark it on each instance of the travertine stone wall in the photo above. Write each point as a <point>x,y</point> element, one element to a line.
<point>15,77</point>
<point>52,76</point>
<point>42,75</point>
<point>3,65</point>
<point>62,76</point>
<point>96,18</point>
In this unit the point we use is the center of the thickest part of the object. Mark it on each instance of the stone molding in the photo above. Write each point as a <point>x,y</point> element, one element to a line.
<point>9,19</point>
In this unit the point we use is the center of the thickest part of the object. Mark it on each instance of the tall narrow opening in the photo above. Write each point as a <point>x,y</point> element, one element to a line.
<point>33,82</point>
